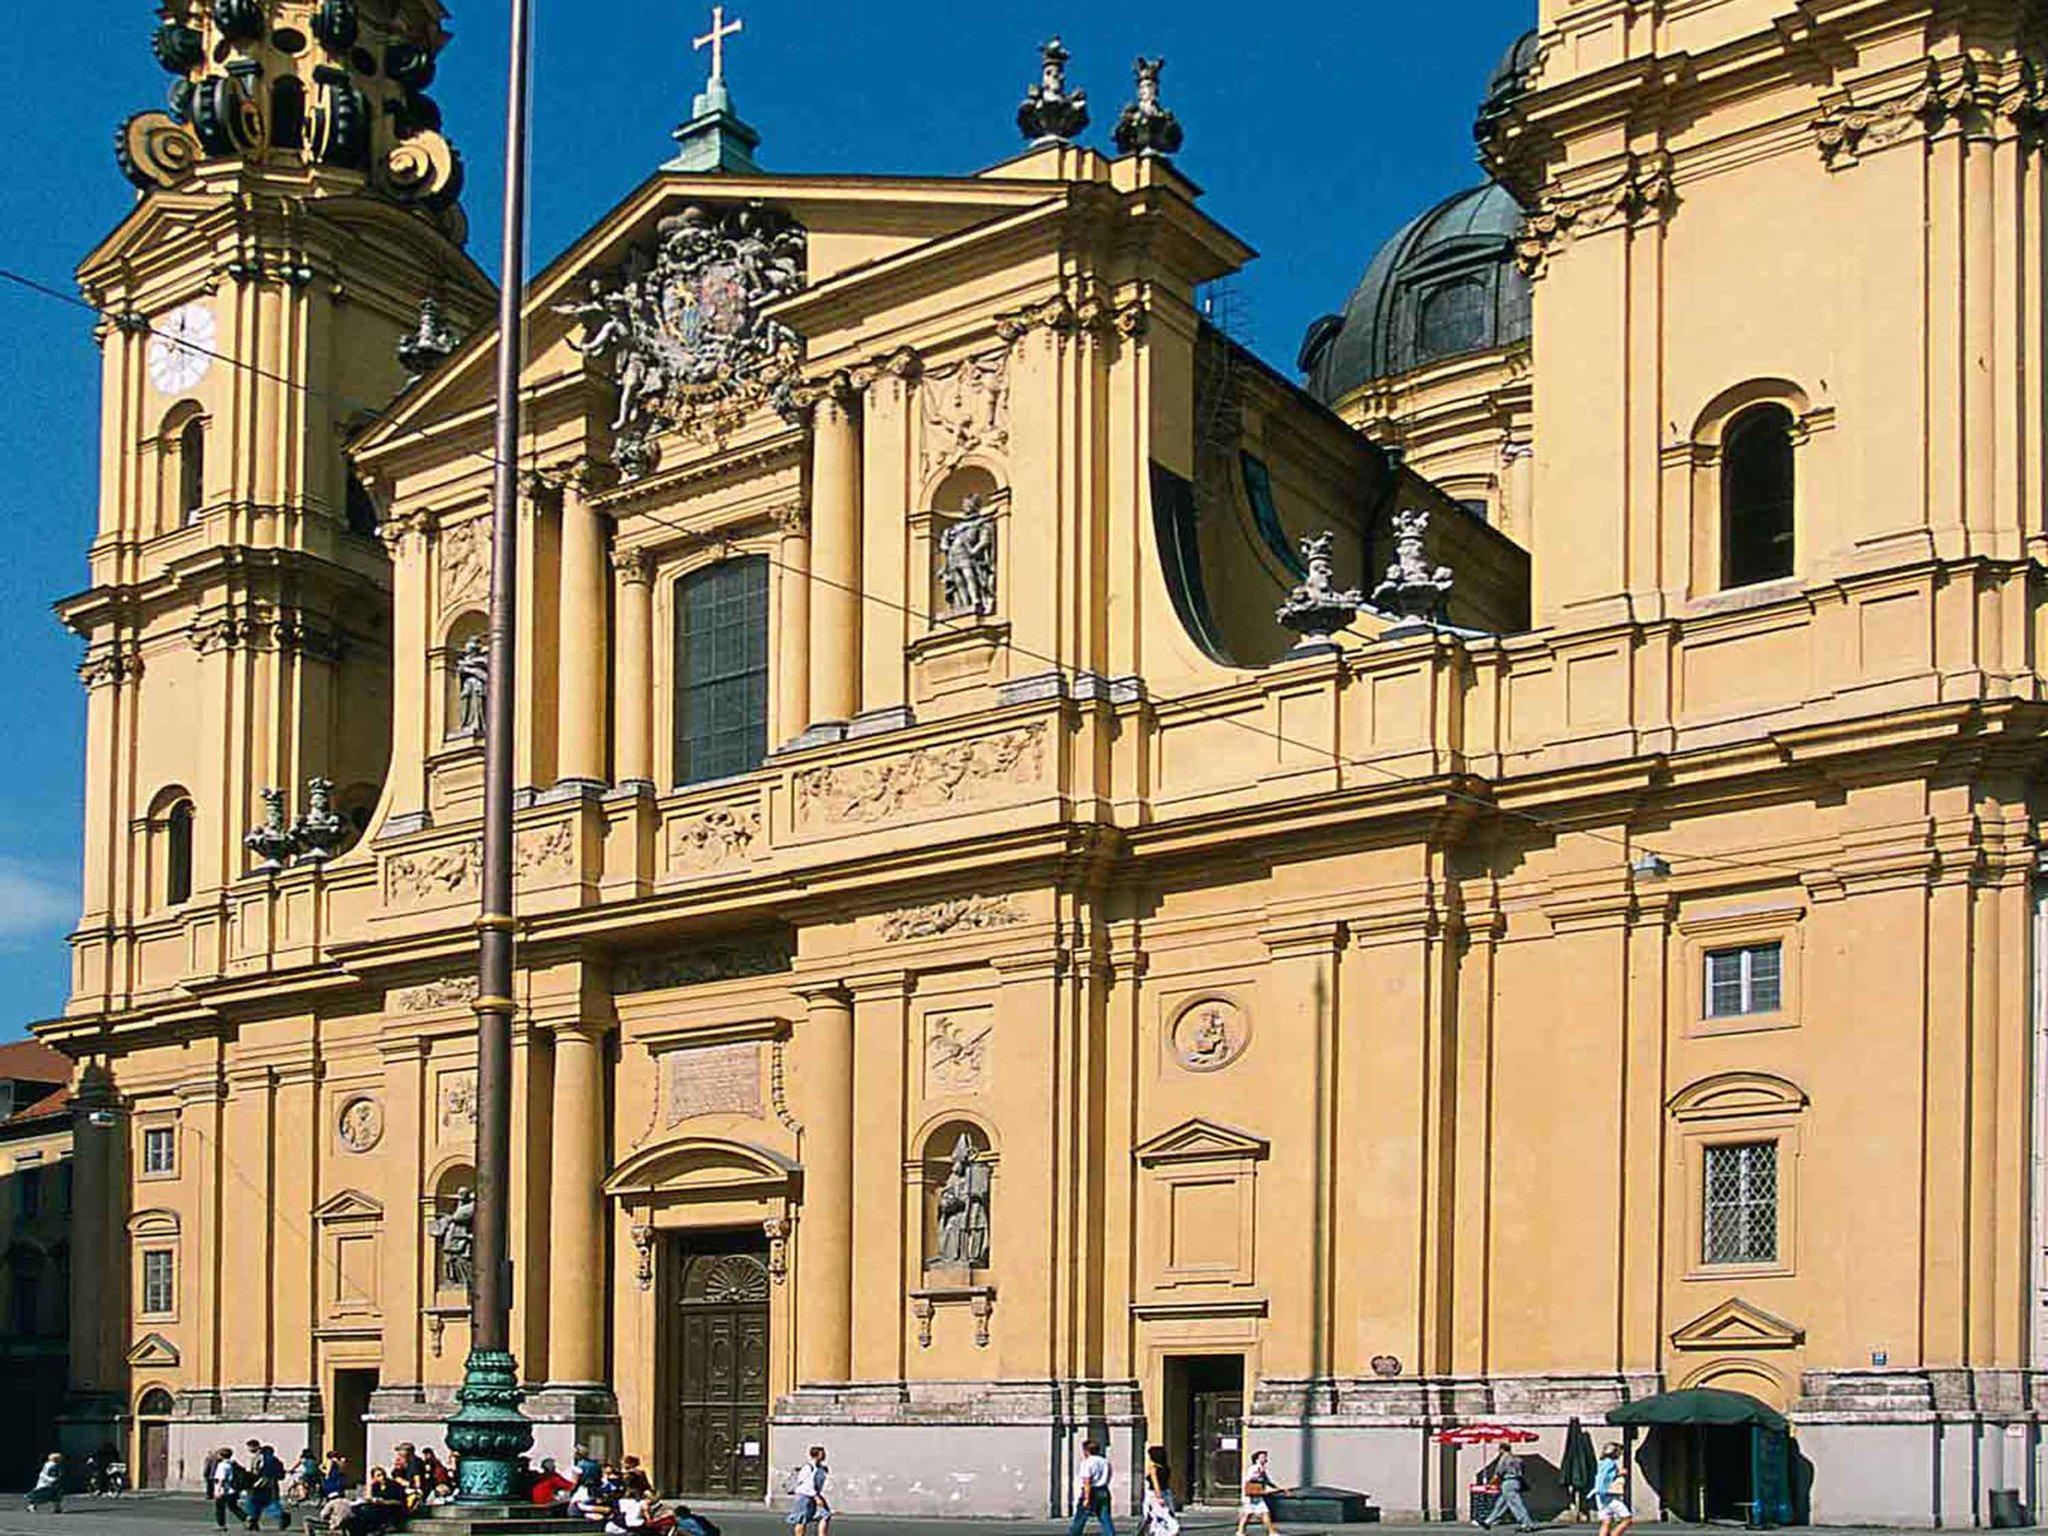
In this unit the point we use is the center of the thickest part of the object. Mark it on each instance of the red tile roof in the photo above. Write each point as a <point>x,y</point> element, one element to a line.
<point>50,1105</point>
<point>31,1061</point>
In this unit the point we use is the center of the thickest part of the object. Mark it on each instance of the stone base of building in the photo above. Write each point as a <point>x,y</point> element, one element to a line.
<point>985,1448</point>
<point>568,1414</point>
<point>205,1421</point>
<point>1376,1436</point>
<point>1919,1448</point>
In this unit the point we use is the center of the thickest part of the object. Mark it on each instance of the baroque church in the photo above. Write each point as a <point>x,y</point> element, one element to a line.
<point>1072,880</point>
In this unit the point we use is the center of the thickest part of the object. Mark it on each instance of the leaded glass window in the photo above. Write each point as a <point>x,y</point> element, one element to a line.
<point>1742,1204</point>
<point>1746,980</point>
<point>722,670</point>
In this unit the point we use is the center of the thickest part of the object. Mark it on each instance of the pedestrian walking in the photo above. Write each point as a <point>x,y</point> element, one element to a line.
<point>1259,1489</point>
<point>1160,1519</point>
<point>225,1482</point>
<point>1610,1494</point>
<point>266,1485</point>
<point>1507,1473</point>
<point>49,1488</point>
<point>806,1486</point>
<point>1091,1492</point>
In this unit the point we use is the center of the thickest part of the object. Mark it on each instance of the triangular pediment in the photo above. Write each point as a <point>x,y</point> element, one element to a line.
<point>1735,1324</point>
<point>348,1205</point>
<point>854,222</point>
<point>1201,1141</point>
<point>154,1349</point>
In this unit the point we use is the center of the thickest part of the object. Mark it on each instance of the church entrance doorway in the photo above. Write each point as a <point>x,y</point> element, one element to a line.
<point>347,1433</point>
<point>1205,1425</point>
<point>712,1342</point>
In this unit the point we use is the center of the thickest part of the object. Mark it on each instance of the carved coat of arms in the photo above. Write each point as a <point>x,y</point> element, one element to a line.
<point>683,330</point>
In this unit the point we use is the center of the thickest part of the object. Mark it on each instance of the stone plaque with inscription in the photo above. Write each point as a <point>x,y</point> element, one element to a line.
<point>713,1080</point>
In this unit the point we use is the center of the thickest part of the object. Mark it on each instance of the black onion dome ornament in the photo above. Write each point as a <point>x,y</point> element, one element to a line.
<point>1146,127</point>
<point>1050,112</point>
<point>239,21</point>
<point>335,24</point>
<point>178,48</point>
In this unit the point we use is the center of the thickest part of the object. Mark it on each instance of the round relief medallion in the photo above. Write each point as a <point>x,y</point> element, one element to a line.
<point>362,1124</point>
<point>1210,1035</point>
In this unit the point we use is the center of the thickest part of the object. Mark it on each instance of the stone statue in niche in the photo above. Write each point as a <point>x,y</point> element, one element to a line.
<point>472,685</point>
<point>967,561</point>
<point>963,1211</point>
<point>454,1236</point>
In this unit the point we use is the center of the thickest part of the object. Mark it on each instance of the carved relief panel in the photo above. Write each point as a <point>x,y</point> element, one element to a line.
<point>958,1060</point>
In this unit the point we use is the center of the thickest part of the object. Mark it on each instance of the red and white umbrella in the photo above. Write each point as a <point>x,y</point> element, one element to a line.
<point>1484,1434</point>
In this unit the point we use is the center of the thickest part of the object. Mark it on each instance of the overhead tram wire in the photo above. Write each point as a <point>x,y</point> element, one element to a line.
<point>1337,759</point>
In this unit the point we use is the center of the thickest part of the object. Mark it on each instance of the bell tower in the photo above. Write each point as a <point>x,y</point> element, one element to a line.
<point>1784,329</point>
<point>293,259</point>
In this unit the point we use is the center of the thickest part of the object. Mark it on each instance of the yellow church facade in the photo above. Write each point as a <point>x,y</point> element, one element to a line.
<point>1070,884</point>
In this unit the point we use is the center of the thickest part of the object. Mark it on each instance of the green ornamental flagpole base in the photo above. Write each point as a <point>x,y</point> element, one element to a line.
<point>488,1433</point>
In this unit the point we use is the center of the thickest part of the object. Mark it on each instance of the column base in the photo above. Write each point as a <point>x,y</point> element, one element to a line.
<point>566,1414</point>
<point>630,789</point>
<point>569,789</point>
<point>879,722</point>
<point>819,733</point>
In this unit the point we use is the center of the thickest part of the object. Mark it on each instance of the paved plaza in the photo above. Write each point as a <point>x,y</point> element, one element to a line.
<point>164,1514</point>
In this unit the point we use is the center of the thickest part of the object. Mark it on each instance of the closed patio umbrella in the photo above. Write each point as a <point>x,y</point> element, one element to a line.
<point>1578,1463</point>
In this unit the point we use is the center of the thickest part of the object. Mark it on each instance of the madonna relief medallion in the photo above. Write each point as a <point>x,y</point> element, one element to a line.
<point>1209,1035</point>
<point>362,1124</point>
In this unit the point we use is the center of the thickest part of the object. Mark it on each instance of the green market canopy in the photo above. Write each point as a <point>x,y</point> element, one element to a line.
<point>1698,1405</point>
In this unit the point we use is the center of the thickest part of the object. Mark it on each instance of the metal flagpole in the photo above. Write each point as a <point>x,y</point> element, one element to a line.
<point>488,1432</point>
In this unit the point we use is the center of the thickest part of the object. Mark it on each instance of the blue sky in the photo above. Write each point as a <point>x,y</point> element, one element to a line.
<point>1316,129</point>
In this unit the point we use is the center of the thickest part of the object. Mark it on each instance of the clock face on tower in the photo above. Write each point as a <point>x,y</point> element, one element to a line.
<point>181,350</point>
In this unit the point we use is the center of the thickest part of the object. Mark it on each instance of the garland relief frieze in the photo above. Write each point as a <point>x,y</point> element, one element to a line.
<point>958,772</point>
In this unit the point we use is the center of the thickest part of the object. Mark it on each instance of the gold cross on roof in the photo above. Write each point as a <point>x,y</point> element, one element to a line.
<point>715,41</point>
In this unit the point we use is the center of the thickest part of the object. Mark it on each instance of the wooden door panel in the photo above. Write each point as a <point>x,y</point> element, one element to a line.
<point>715,1350</point>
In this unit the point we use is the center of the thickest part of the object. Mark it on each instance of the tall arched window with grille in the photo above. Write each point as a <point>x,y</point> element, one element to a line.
<point>1756,497</point>
<point>721,670</point>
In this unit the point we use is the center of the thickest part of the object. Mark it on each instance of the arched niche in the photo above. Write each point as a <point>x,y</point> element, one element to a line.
<point>466,628</point>
<point>956,1177</point>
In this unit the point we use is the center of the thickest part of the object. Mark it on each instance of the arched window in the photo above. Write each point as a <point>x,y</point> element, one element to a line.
<point>1756,497</point>
<point>721,678</point>
<point>191,469</point>
<point>178,854</point>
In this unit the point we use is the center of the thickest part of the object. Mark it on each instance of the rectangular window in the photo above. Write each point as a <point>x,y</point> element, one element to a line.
<point>30,1178</point>
<point>159,1293</point>
<point>159,1149</point>
<point>1745,980</point>
<point>1742,1204</point>
<point>64,1187</point>
<point>722,670</point>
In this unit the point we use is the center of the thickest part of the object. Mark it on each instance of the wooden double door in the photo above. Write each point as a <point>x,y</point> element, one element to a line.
<point>713,1345</point>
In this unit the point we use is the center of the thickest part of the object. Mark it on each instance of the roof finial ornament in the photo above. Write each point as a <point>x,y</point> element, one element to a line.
<point>1316,609</point>
<point>1050,112</point>
<point>715,138</point>
<point>715,41</point>
<point>1413,588</point>
<point>1146,127</point>
<point>431,341</point>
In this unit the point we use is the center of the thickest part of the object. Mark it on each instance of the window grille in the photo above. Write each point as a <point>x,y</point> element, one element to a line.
<point>722,670</point>
<point>1742,1204</point>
